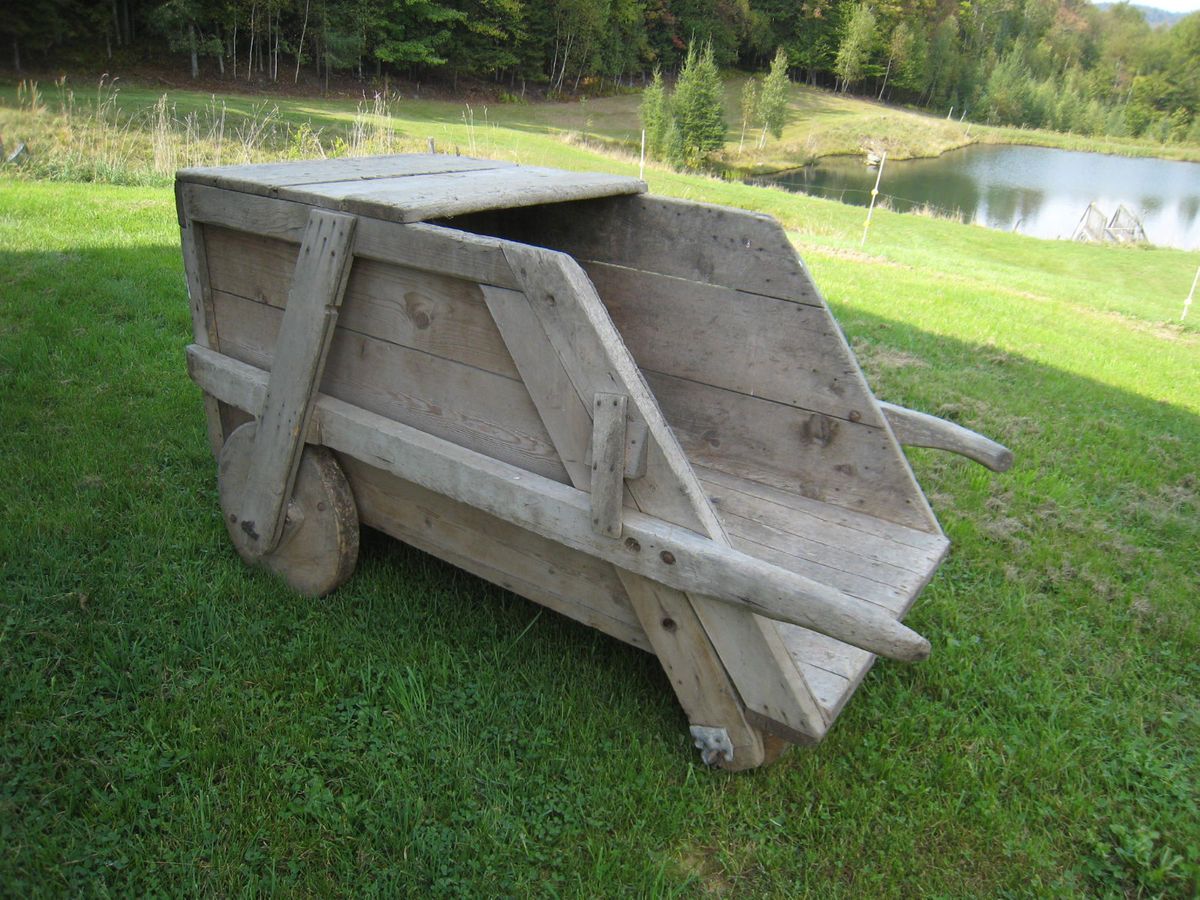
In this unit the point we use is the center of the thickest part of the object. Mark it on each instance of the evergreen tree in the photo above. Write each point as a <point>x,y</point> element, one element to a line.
<point>655,113</point>
<point>696,106</point>
<point>772,107</point>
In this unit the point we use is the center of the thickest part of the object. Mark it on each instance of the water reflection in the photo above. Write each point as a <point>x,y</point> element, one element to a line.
<point>1033,190</point>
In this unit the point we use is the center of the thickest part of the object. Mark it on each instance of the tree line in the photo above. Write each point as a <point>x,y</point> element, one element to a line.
<point>1062,64</point>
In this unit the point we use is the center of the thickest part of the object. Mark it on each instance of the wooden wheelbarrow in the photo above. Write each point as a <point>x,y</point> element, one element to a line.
<point>636,411</point>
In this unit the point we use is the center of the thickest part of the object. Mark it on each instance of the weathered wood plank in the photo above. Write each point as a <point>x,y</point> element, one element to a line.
<point>918,429</point>
<point>760,346</point>
<point>776,506</point>
<point>728,247</point>
<point>303,342</point>
<point>425,197</point>
<point>469,406</point>
<point>266,178</point>
<point>204,327</point>
<point>595,359</point>
<point>574,584</point>
<point>608,463</point>
<point>669,554</point>
<point>426,311</point>
<point>827,459</point>
<point>420,246</point>
<point>840,567</point>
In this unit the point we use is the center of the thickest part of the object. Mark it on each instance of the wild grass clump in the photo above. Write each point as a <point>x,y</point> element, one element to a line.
<point>99,138</point>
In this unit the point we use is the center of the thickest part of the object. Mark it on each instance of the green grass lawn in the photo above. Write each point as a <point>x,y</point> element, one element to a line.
<point>173,722</point>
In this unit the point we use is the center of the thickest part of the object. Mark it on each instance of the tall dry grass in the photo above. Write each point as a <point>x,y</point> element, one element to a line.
<point>97,137</point>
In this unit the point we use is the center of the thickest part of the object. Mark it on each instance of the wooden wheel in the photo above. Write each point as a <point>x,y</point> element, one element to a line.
<point>319,546</point>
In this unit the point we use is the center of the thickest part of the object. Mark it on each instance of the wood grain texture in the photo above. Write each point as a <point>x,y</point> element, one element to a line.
<point>608,463</point>
<point>755,345</point>
<point>918,429</point>
<point>714,245</point>
<point>266,178</point>
<point>827,459</point>
<point>297,363</point>
<point>424,197</point>
<point>420,246</point>
<point>427,311</point>
<point>469,406</point>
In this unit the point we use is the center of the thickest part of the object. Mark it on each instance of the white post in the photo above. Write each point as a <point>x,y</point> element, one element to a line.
<point>874,194</point>
<point>1191,294</point>
<point>642,164</point>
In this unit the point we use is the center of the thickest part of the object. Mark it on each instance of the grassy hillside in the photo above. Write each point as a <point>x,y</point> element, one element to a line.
<point>171,721</point>
<point>117,129</point>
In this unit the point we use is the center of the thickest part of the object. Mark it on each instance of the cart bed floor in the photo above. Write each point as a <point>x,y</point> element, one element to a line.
<point>869,558</point>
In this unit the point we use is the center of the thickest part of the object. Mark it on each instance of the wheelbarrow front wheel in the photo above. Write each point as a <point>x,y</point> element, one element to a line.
<point>318,548</point>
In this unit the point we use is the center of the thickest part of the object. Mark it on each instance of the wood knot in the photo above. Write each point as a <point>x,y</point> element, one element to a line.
<point>818,429</point>
<point>632,545</point>
<point>668,624</point>
<point>668,557</point>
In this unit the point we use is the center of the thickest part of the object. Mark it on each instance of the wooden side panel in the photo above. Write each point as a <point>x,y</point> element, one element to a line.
<point>471,407</point>
<point>755,345</point>
<point>437,314</point>
<point>816,455</point>
<point>420,246</point>
<point>695,241</point>
<point>671,272</point>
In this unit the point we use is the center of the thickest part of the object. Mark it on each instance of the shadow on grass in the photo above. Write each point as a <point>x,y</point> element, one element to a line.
<point>171,718</point>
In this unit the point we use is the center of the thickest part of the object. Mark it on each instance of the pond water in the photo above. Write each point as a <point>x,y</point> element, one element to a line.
<point>1032,190</point>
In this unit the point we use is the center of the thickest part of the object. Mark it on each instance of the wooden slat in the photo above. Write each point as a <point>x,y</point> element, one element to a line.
<point>827,459</point>
<point>204,326</point>
<point>420,198</point>
<point>840,567</point>
<point>471,407</point>
<point>760,346</point>
<point>575,584</point>
<point>297,363</point>
<point>426,311</point>
<point>595,359</point>
<point>420,246</point>
<point>699,242</point>
<point>841,523</point>
<point>608,463</point>
<point>266,178</point>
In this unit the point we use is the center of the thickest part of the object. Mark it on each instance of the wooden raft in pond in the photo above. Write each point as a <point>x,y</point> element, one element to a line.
<point>636,411</point>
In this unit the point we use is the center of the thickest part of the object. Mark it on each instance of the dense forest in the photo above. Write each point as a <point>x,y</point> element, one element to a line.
<point>1061,64</point>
